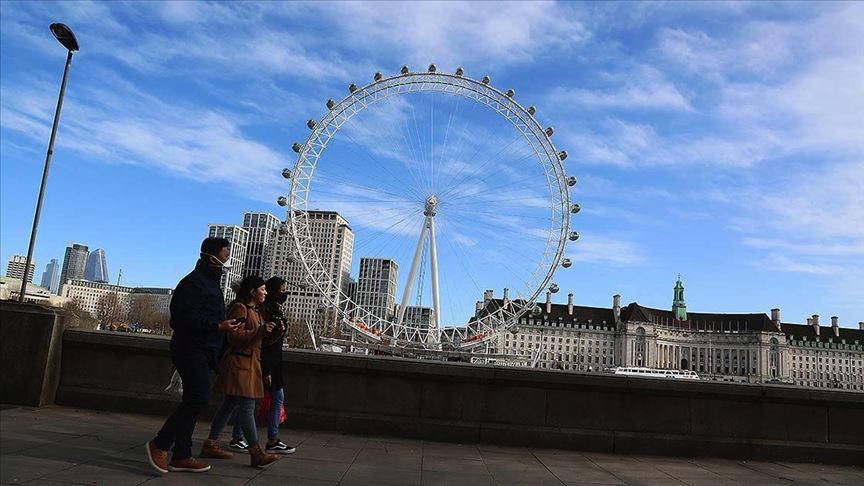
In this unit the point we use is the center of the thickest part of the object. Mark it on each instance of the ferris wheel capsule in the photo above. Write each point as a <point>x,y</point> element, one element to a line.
<point>486,80</point>
<point>296,147</point>
<point>549,131</point>
<point>404,70</point>
<point>286,173</point>
<point>532,110</point>
<point>311,124</point>
<point>460,71</point>
<point>433,68</point>
<point>571,181</point>
<point>330,104</point>
<point>562,155</point>
<point>554,288</point>
<point>536,310</point>
<point>566,263</point>
<point>282,201</point>
<point>510,93</point>
<point>575,208</point>
<point>283,229</point>
<point>573,236</point>
<point>352,87</point>
<point>378,76</point>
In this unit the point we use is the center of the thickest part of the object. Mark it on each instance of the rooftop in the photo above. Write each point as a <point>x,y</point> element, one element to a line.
<point>58,445</point>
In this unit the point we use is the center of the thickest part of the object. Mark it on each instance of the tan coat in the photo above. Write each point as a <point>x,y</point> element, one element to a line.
<point>240,369</point>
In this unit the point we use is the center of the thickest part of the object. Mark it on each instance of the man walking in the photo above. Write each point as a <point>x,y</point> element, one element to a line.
<point>199,324</point>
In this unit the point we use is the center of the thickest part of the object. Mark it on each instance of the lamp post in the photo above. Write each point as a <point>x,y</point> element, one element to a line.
<point>64,35</point>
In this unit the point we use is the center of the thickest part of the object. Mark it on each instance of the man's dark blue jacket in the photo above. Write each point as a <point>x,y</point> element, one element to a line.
<point>197,308</point>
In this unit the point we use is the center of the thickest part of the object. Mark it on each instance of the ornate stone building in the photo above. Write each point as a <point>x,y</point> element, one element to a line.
<point>730,347</point>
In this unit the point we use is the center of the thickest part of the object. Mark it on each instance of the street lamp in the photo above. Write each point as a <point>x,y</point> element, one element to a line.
<point>64,35</point>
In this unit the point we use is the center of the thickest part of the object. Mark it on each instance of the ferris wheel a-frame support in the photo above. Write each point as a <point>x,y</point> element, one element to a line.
<point>428,225</point>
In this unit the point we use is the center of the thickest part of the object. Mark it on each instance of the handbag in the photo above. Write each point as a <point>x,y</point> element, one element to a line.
<point>263,413</point>
<point>175,385</point>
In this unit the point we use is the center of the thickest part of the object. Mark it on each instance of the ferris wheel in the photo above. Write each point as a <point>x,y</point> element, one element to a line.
<point>451,178</point>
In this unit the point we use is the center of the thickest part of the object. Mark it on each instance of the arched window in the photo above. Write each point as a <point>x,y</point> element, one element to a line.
<point>640,357</point>
<point>774,358</point>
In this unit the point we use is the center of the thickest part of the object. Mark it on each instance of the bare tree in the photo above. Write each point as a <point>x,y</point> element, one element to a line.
<point>78,317</point>
<point>108,311</point>
<point>298,335</point>
<point>145,312</point>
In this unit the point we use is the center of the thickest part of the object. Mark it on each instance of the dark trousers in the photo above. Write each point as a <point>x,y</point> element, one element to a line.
<point>197,378</point>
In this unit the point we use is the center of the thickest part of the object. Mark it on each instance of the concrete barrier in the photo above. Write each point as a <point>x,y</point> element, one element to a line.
<point>459,402</point>
<point>30,344</point>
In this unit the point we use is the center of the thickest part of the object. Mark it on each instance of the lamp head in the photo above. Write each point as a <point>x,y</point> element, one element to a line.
<point>65,36</point>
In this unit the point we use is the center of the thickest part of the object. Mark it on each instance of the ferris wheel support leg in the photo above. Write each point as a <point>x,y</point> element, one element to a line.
<point>433,254</point>
<point>406,294</point>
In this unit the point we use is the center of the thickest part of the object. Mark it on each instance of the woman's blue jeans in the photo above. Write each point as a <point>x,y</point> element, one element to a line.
<point>277,397</point>
<point>245,417</point>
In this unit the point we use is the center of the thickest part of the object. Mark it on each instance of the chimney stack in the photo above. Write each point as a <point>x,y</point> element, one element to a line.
<point>815,319</point>
<point>506,296</point>
<point>487,296</point>
<point>616,307</point>
<point>570,303</point>
<point>861,325</point>
<point>548,302</point>
<point>775,318</point>
<point>835,326</point>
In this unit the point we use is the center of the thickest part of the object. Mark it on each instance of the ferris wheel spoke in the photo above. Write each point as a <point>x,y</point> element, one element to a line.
<point>380,164</point>
<point>478,169</point>
<point>410,151</point>
<point>450,166</point>
<point>445,145</point>
<point>457,188</point>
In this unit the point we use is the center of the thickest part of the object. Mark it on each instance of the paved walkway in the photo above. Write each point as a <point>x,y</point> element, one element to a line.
<point>57,446</point>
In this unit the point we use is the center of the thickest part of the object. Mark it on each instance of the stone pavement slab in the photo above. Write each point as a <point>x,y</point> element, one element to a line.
<point>63,446</point>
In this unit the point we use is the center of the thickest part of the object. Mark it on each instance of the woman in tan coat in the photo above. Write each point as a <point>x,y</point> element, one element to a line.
<point>239,375</point>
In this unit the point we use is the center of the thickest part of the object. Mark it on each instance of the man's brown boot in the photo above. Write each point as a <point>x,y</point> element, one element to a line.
<point>259,458</point>
<point>212,450</point>
<point>157,457</point>
<point>190,464</point>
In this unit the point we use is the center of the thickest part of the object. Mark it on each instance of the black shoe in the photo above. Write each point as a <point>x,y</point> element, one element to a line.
<point>279,447</point>
<point>239,445</point>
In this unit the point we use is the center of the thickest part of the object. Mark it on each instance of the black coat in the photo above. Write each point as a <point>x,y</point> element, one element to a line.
<point>197,308</point>
<point>271,350</point>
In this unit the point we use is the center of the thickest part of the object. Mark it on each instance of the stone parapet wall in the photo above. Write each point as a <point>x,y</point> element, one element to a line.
<point>460,402</point>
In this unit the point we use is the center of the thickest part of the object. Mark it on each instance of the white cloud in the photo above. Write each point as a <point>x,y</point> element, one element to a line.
<point>459,33</point>
<point>593,248</point>
<point>643,87</point>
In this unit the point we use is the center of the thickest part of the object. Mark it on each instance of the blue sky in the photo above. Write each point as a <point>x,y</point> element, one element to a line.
<point>722,141</point>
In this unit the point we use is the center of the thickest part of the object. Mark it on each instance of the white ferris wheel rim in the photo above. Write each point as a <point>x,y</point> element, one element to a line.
<point>360,98</point>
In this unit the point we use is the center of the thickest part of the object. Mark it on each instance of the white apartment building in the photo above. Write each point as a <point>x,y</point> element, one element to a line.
<point>333,241</point>
<point>88,294</point>
<point>376,286</point>
<point>752,348</point>
<point>15,267</point>
<point>237,236</point>
<point>262,228</point>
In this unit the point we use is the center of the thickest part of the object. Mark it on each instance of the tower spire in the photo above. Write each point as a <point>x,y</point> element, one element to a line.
<point>679,307</point>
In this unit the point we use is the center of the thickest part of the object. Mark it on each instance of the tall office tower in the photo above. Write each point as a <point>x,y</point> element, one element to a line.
<point>333,241</point>
<point>419,317</point>
<point>97,267</point>
<point>237,237</point>
<point>262,228</point>
<point>51,276</point>
<point>74,262</point>
<point>376,286</point>
<point>15,268</point>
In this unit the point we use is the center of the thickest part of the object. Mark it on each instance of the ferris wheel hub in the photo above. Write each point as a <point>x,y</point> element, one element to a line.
<point>431,204</point>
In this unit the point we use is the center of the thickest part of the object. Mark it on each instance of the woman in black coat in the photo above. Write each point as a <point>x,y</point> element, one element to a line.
<point>271,362</point>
